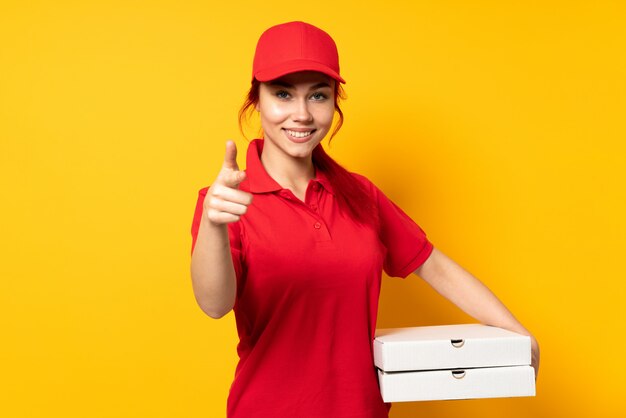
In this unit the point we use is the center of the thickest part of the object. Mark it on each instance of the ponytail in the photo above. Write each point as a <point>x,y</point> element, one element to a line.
<point>352,195</point>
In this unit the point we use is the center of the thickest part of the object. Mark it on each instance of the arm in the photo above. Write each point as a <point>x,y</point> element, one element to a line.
<point>212,271</point>
<point>474,298</point>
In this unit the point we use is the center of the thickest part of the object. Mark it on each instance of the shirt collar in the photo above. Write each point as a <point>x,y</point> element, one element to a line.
<point>260,181</point>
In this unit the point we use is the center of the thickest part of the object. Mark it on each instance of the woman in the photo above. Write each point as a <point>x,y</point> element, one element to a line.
<point>296,246</point>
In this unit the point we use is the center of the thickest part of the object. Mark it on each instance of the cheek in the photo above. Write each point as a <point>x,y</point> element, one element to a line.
<point>273,113</point>
<point>324,116</point>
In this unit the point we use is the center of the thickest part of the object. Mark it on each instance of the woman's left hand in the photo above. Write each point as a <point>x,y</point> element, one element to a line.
<point>534,346</point>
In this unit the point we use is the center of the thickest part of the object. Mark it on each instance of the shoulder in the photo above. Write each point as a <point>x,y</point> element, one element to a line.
<point>368,184</point>
<point>361,179</point>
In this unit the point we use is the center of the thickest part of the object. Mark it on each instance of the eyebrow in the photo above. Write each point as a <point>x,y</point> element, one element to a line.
<point>287,85</point>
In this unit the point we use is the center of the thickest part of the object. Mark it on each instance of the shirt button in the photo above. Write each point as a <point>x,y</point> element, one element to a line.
<point>317,225</point>
<point>313,206</point>
<point>285,194</point>
<point>316,186</point>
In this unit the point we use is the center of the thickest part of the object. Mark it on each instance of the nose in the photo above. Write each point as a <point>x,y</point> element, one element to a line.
<point>301,113</point>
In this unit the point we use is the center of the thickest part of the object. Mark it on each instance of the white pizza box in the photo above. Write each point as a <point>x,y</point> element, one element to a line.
<point>449,346</point>
<point>452,362</point>
<point>468,383</point>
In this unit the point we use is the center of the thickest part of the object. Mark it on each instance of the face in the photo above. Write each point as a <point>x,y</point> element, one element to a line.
<point>296,111</point>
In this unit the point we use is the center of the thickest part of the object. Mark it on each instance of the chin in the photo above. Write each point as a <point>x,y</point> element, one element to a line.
<point>299,151</point>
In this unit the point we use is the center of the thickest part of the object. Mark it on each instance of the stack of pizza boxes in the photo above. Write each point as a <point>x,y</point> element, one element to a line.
<point>462,361</point>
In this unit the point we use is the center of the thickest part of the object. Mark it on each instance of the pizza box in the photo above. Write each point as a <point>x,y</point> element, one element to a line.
<point>462,361</point>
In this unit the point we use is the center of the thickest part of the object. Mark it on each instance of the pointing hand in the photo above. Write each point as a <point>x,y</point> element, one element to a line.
<point>224,202</point>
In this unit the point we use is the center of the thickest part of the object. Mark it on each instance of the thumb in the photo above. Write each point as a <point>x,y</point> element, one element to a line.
<point>230,157</point>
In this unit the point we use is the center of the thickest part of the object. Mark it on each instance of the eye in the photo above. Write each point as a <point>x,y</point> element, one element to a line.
<point>282,94</point>
<point>319,96</point>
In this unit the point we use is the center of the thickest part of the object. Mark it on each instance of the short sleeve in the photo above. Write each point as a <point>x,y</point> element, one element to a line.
<point>234,234</point>
<point>407,245</point>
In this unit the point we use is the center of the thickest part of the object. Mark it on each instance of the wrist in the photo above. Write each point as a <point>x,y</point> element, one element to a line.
<point>210,225</point>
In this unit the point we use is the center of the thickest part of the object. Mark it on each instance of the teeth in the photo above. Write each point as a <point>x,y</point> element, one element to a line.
<point>298,134</point>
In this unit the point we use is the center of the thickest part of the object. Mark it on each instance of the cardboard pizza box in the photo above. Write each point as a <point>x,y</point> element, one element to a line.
<point>461,361</point>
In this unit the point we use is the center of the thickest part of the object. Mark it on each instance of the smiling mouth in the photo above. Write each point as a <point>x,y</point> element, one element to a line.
<point>297,134</point>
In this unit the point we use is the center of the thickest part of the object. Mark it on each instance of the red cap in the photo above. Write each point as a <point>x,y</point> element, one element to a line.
<point>292,47</point>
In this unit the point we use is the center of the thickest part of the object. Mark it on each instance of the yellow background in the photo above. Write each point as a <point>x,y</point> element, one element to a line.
<point>498,126</point>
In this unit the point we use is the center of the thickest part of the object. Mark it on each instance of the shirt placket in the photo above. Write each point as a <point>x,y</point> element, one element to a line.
<point>319,227</point>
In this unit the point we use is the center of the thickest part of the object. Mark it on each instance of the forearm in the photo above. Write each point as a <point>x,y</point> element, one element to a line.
<point>472,297</point>
<point>467,292</point>
<point>212,271</point>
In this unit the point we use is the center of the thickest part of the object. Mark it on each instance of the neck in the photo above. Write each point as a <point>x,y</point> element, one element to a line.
<point>290,172</point>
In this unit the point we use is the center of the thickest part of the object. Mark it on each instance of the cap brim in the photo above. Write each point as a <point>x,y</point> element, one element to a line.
<point>273,73</point>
